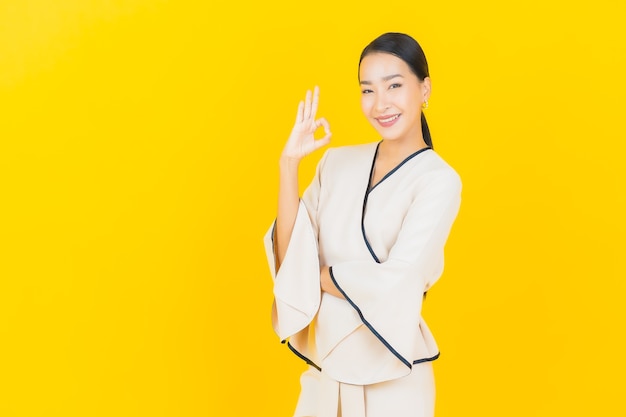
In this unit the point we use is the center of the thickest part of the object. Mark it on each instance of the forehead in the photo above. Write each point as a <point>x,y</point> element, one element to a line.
<point>377,65</point>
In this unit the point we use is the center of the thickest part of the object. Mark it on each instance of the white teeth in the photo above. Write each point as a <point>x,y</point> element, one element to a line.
<point>392,118</point>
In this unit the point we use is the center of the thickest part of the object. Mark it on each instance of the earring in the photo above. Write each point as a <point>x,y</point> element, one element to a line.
<point>425,104</point>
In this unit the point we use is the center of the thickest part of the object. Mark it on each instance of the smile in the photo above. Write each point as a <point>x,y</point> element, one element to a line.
<point>388,121</point>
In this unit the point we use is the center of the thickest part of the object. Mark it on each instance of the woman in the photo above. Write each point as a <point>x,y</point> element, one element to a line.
<point>353,258</point>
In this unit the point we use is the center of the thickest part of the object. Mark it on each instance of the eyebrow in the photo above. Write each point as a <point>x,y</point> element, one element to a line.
<point>385,78</point>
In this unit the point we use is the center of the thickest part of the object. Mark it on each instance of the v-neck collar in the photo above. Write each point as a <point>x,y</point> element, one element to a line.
<point>370,188</point>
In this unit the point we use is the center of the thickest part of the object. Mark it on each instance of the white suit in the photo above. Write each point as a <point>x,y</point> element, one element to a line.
<point>370,353</point>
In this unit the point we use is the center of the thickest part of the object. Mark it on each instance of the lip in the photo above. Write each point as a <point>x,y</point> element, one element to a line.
<point>388,120</point>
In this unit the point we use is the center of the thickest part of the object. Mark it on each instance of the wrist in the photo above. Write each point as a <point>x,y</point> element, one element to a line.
<point>288,162</point>
<point>325,280</point>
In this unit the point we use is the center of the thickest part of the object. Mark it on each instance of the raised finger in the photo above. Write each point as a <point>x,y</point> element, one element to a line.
<point>307,105</point>
<point>300,112</point>
<point>316,99</point>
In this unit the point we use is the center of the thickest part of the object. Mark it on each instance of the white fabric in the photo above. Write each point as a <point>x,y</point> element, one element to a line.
<point>410,396</point>
<point>296,285</point>
<point>407,220</point>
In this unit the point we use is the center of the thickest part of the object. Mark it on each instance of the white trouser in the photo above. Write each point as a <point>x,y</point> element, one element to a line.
<point>410,396</point>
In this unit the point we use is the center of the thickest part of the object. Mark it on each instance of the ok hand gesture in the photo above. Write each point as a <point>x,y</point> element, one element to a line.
<point>301,142</point>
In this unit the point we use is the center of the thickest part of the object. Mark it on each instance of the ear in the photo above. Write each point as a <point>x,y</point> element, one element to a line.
<point>426,88</point>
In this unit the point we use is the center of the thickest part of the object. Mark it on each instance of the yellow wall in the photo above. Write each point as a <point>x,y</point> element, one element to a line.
<point>138,148</point>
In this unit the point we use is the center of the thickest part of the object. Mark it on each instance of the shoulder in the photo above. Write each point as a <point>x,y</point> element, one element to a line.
<point>435,169</point>
<point>347,163</point>
<point>351,152</point>
<point>349,157</point>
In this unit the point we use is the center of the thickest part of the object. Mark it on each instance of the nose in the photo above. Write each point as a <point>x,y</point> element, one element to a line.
<point>382,103</point>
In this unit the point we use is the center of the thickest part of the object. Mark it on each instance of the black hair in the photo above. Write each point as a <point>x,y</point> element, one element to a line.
<point>407,49</point>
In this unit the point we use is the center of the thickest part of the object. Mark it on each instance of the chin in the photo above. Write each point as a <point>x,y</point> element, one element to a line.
<point>388,136</point>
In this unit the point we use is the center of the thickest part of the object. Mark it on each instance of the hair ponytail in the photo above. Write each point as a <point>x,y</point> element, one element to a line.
<point>426,132</point>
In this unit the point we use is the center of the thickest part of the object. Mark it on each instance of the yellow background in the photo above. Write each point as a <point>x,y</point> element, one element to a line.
<point>138,161</point>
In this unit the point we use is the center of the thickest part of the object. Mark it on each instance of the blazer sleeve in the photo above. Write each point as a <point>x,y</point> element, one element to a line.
<point>388,295</point>
<point>297,292</point>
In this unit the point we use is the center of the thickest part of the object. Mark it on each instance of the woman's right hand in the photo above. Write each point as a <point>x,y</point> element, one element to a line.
<point>302,142</point>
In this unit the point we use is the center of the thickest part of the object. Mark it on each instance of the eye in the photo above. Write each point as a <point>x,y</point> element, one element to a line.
<point>366,91</point>
<point>395,85</point>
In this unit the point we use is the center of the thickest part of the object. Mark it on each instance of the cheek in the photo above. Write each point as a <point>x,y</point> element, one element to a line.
<point>408,102</point>
<point>407,98</point>
<point>366,104</point>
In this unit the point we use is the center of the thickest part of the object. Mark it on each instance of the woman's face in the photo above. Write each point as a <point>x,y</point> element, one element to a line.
<point>392,96</point>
